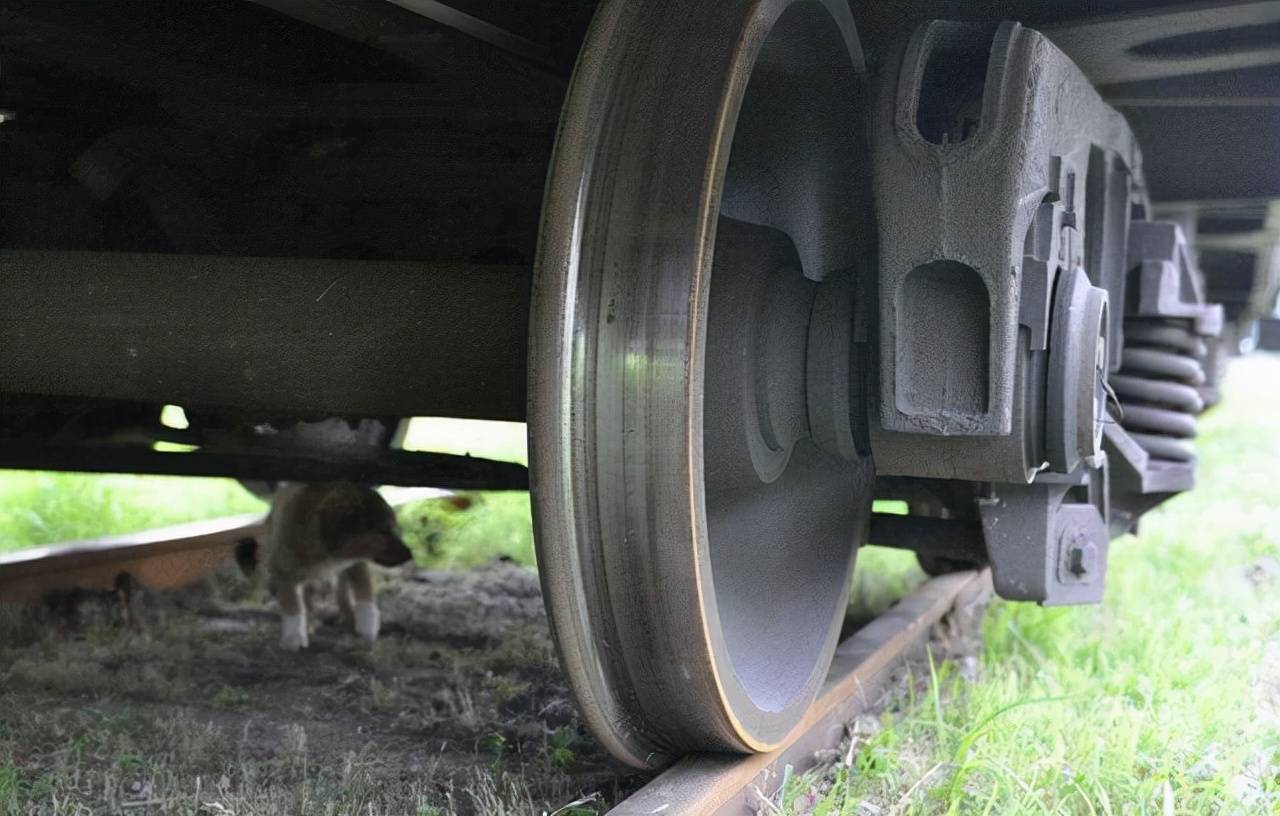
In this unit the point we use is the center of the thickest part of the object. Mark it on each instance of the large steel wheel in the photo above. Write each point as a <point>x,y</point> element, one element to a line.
<point>698,490</point>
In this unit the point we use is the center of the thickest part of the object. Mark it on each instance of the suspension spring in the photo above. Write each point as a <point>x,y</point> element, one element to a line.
<point>1159,386</point>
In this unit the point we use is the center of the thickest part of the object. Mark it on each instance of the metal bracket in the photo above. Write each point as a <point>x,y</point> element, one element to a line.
<point>966,290</point>
<point>1043,548</point>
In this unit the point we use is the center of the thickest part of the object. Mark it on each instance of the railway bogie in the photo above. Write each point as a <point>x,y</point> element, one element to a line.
<point>747,267</point>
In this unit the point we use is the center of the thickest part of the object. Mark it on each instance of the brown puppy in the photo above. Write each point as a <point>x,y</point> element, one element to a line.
<point>316,532</point>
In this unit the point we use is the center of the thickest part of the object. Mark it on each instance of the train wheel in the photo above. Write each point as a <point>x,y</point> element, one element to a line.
<point>698,489</point>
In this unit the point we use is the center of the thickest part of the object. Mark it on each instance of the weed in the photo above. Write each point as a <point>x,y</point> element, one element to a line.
<point>230,697</point>
<point>560,745</point>
<point>9,794</point>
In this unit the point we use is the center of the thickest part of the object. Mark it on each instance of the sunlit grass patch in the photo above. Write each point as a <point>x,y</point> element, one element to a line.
<point>880,577</point>
<point>493,524</point>
<point>38,508</point>
<point>469,529</point>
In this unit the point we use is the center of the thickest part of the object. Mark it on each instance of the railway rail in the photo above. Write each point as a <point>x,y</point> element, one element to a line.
<point>164,558</point>
<point>863,667</point>
<point>161,558</point>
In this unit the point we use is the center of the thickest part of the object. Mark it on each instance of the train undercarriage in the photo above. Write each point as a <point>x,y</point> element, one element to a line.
<point>744,268</point>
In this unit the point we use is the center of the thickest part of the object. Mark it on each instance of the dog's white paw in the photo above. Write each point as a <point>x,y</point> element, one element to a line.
<point>368,620</point>
<point>293,632</point>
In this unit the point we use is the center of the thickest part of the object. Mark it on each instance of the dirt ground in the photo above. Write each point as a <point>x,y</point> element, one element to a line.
<point>192,708</point>
<point>458,708</point>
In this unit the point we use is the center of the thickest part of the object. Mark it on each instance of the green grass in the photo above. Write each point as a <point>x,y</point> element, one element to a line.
<point>496,525</point>
<point>1163,700</point>
<point>38,508</point>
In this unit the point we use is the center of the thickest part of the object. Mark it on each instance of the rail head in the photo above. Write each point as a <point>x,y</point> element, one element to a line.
<point>730,785</point>
<point>161,558</point>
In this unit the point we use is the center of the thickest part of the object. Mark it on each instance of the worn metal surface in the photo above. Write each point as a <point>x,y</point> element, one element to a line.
<point>1004,192</point>
<point>706,784</point>
<point>982,197</point>
<point>1021,285</point>
<point>1043,548</point>
<point>164,558</point>
<point>675,481</point>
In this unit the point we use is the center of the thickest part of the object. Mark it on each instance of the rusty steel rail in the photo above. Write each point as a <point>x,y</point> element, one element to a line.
<point>163,558</point>
<point>730,785</point>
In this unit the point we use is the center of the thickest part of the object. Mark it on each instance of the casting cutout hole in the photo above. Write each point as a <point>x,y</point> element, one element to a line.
<point>954,82</point>
<point>944,341</point>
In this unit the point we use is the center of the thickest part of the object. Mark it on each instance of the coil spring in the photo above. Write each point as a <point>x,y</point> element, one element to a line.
<point>1159,386</point>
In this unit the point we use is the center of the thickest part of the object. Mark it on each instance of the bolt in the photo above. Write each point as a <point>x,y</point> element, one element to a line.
<point>1082,554</point>
<point>1078,567</point>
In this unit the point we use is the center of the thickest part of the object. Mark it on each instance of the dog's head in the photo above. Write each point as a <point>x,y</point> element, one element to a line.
<point>357,522</point>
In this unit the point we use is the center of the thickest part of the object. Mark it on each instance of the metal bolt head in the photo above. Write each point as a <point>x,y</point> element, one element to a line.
<point>1082,554</point>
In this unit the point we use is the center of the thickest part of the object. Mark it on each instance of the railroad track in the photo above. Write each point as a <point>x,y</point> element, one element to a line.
<point>162,558</point>
<point>864,665</point>
<point>699,784</point>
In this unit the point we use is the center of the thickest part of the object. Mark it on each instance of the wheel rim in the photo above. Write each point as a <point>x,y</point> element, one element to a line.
<point>697,500</point>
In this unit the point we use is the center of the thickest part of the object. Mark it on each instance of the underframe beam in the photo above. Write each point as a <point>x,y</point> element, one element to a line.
<point>278,335</point>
